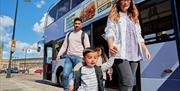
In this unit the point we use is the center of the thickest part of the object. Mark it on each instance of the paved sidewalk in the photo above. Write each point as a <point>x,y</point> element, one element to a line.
<point>22,82</point>
<point>16,83</point>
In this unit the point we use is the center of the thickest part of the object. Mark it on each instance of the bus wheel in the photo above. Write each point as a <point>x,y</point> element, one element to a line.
<point>60,79</point>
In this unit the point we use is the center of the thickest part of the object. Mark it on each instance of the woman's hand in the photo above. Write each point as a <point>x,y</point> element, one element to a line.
<point>148,55</point>
<point>113,50</point>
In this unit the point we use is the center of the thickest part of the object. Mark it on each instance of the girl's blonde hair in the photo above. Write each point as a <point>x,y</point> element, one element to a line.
<point>132,11</point>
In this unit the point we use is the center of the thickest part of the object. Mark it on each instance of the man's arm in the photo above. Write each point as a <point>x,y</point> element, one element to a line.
<point>63,48</point>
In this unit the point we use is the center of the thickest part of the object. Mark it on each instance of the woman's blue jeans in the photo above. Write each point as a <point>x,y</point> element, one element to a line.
<point>70,62</point>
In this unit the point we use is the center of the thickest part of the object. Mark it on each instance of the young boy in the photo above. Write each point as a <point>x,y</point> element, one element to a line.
<point>89,77</point>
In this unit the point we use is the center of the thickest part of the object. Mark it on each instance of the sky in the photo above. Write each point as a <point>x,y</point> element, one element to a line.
<point>29,26</point>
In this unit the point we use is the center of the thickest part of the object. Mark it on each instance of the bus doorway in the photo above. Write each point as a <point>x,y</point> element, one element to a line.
<point>98,33</point>
<point>48,49</point>
<point>53,70</point>
<point>98,40</point>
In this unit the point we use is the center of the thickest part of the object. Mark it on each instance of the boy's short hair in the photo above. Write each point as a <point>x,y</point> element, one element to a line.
<point>77,19</point>
<point>88,50</point>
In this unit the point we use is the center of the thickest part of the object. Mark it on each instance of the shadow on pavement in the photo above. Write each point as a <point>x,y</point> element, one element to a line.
<point>46,82</point>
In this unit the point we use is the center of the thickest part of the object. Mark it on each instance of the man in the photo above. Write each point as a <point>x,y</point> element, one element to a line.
<point>73,45</point>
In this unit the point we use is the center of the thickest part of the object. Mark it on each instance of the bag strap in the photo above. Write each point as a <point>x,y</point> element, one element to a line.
<point>99,76</point>
<point>68,40</point>
<point>82,39</point>
<point>77,80</point>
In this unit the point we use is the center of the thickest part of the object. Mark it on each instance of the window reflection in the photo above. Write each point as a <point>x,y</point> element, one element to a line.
<point>58,10</point>
<point>63,8</point>
<point>76,2</point>
<point>156,22</point>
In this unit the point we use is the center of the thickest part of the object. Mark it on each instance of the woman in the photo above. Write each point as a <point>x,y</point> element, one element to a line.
<point>123,34</point>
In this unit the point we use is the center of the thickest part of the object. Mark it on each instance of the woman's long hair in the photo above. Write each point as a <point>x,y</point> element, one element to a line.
<point>132,11</point>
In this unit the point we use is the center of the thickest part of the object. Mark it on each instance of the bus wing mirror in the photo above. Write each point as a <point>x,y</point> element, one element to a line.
<point>38,49</point>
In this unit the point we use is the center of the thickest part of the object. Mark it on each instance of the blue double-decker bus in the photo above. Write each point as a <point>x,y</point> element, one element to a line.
<point>160,28</point>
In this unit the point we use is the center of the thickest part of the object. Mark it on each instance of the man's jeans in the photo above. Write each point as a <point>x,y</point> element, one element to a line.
<point>70,62</point>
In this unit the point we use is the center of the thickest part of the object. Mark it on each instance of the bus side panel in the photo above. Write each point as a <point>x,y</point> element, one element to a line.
<point>55,70</point>
<point>55,31</point>
<point>156,74</point>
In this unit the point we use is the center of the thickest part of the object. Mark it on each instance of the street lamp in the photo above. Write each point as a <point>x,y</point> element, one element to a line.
<point>13,41</point>
<point>11,50</point>
<point>25,53</point>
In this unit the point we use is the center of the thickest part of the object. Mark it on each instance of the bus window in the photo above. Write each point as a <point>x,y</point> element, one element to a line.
<point>49,20</point>
<point>158,37</point>
<point>49,55</point>
<point>156,22</point>
<point>58,11</point>
<point>87,29</point>
<point>63,8</point>
<point>76,2</point>
<point>52,13</point>
<point>58,46</point>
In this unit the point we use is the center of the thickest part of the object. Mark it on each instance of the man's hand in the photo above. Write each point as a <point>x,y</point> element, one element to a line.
<point>71,88</point>
<point>58,58</point>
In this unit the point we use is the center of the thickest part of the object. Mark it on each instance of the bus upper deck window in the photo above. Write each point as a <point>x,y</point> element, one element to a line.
<point>76,2</point>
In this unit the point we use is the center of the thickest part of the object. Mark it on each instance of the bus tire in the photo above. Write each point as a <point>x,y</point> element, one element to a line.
<point>60,78</point>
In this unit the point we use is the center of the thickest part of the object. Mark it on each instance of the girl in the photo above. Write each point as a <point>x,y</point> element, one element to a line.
<point>102,59</point>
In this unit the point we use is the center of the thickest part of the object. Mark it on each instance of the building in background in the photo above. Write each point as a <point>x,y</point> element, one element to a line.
<point>1,53</point>
<point>21,64</point>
